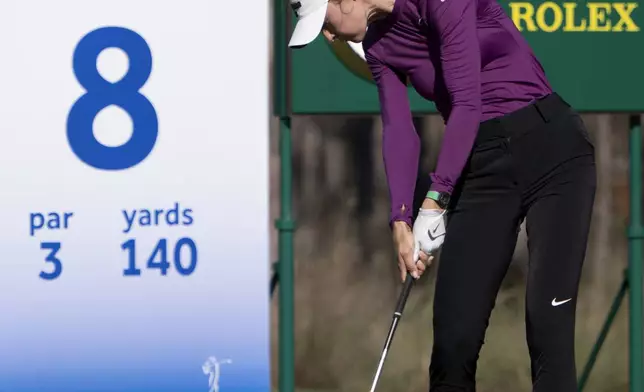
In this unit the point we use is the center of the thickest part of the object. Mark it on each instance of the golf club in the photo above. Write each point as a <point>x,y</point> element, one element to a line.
<point>402,299</point>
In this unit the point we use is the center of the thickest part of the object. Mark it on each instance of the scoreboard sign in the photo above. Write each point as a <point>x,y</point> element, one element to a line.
<point>134,198</point>
<point>590,52</point>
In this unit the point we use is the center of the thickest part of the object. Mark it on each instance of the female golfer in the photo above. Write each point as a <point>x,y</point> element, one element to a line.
<point>513,149</point>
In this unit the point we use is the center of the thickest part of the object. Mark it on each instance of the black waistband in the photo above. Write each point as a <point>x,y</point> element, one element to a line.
<point>523,120</point>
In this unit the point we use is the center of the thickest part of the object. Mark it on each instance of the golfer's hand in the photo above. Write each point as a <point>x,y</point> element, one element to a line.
<point>404,245</point>
<point>429,231</point>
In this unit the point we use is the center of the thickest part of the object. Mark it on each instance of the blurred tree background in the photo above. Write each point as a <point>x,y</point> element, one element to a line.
<point>346,274</point>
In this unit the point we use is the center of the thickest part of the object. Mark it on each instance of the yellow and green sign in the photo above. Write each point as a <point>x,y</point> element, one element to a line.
<point>593,54</point>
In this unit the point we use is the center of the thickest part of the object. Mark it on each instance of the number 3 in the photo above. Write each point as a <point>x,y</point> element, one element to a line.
<point>51,258</point>
<point>101,94</point>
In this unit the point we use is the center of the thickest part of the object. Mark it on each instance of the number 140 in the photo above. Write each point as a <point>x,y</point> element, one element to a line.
<point>159,257</point>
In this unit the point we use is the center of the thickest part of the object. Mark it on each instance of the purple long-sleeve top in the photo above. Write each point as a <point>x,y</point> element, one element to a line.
<point>467,57</point>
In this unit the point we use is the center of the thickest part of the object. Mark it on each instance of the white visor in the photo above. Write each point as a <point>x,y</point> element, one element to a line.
<point>311,15</point>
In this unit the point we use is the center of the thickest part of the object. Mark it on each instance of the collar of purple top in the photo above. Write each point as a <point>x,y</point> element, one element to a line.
<point>398,6</point>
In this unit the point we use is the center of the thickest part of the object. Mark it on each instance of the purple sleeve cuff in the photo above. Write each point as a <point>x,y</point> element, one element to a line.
<point>440,186</point>
<point>399,216</point>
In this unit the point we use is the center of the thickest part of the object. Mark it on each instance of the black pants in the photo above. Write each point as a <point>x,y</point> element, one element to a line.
<point>535,164</point>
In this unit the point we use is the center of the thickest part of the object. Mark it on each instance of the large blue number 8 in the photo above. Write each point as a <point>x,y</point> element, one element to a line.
<point>101,94</point>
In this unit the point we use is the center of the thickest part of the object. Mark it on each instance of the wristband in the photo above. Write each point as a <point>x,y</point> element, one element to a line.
<point>441,198</point>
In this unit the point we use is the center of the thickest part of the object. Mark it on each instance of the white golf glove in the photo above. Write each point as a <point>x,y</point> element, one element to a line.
<point>429,231</point>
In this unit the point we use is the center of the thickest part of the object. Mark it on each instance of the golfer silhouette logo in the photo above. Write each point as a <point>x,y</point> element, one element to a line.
<point>212,368</point>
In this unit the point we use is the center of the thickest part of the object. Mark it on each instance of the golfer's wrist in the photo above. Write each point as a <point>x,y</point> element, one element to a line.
<point>430,204</point>
<point>401,225</point>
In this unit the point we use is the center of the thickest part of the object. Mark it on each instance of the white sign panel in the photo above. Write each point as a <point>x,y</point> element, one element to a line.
<point>134,196</point>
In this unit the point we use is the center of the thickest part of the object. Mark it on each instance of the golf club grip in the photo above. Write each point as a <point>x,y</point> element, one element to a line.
<point>404,294</point>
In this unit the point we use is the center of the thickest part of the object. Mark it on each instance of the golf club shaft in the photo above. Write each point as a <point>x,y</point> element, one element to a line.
<point>400,306</point>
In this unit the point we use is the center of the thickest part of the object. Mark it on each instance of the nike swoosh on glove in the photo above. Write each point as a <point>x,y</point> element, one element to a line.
<point>429,231</point>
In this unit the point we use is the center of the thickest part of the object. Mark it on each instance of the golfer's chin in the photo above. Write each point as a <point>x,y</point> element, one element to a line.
<point>356,39</point>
